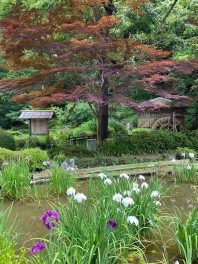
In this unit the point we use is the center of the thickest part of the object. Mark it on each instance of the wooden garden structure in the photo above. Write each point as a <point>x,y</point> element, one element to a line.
<point>38,121</point>
<point>170,116</point>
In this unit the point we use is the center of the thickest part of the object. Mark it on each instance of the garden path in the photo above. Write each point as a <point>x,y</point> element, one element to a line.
<point>146,168</point>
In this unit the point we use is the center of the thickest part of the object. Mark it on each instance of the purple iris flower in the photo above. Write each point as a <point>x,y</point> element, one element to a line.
<point>38,246</point>
<point>64,164</point>
<point>50,225</point>
<point>46,163</point>
<point>48,219</point>
<point>111,224</point>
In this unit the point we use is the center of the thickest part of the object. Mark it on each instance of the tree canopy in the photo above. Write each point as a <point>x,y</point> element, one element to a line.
<point>79,51</point>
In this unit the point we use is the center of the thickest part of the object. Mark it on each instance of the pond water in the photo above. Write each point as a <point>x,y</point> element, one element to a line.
<point>181,196</point>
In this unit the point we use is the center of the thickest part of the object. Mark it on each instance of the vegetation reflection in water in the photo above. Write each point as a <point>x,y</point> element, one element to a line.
<point>85,222</point>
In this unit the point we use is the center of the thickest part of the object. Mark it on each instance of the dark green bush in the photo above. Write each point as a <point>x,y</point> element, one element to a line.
<point>21,142</point>
<point>141,142</point>
<point>7,140</point>
<point>193,137</point>
<point>32,142</point>
<point>87,128</point>
<point>116,128</point>
<point>70,150</point>
<point>182,140</point>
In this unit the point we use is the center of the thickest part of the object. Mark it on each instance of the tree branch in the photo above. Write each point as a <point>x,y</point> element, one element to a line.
<point>158,30</point>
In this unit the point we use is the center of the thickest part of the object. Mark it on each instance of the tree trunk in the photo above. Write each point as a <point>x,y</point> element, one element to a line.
<point>102,114</point>
<point>102,132</point>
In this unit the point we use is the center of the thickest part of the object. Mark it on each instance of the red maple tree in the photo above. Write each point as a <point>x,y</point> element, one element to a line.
<point>78,55</point>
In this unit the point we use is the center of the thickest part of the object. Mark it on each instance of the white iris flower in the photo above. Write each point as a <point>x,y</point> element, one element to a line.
<point>80,197</point>
<point>191,155</point>
<point>124,175</point>
<point>127,201</point>
<point>157,203</point>
<point>102,175</point>
<point>132,220</point>
<point>117,197</point>
<point>155,194</point>
<point>71,191</point>
<point>141,178</point>
<point>144,185</point>
<point>107,181</point>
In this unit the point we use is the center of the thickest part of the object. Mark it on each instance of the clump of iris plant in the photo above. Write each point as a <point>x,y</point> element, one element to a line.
<point>48,219</point>
<point>68,166</point>
<point>38,246</point>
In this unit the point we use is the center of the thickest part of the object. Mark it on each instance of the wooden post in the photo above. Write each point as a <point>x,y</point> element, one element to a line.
<point>29,132</point>
<point>174,123</point>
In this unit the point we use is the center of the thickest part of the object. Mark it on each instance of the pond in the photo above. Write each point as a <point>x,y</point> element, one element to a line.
<point>180,199</point>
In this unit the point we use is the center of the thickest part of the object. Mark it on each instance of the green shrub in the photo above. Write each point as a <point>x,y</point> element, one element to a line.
<point>116,128</point>
<point>139,143</point>
<point>36,157</point>
<point>37,142</point>
<point>6,155</point>
<point>182,140</point>
<point>193,137</point>
<point>70,150</point>
<point>7,140</point>
<point>21,142</point>
<point>87,128</point>
<point>32,142</point>
<point>185,153</point>
<point>147,141</point>
<point>138,129</point>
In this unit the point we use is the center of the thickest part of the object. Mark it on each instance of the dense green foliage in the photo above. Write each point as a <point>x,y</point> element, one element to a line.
<point>35,156</point>
<point>118,149</point>
<point>149,142</point>
<point>7,140</point>
<point>6,155</point>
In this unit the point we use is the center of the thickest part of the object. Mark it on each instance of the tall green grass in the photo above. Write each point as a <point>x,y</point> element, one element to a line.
<point>8,240</point>
<point>14,179</point>
<point>185,172</point>
<point>60,179</point>
<point>186,237</point>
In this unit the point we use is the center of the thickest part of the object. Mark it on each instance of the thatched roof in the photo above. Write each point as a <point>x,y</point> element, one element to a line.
<point>36,114</point>
<point>162,103</point>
